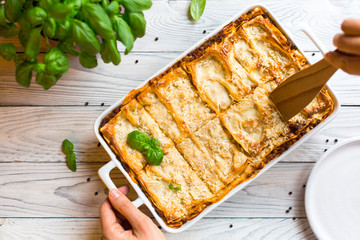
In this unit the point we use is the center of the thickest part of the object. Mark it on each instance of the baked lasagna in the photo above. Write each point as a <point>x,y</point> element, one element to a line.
<point>213,118</point>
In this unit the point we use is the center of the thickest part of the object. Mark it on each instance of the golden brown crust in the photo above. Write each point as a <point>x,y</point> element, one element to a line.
<point>213,118</point>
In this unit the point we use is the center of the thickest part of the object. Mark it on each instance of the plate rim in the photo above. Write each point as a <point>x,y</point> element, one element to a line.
<point>310,182</point>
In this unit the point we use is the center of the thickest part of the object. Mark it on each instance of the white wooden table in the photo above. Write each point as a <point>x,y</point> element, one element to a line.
<point>40,198</point>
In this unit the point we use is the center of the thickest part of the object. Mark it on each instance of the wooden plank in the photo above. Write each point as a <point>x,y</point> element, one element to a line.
<point>107,83</point>
<point>35,134</point>
<point>52,190</point>
<point>208,228</point>
<point>169,22</point>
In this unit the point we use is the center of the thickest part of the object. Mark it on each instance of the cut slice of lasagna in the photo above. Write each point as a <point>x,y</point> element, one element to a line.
<point>213,118</point>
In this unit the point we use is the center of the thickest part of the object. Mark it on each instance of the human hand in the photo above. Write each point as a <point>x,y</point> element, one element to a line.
<point>121,220</point>
<point>347,55</point>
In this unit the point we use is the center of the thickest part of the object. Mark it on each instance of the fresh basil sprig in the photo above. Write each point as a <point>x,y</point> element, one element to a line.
<point>171,186</point>
<point>82,28</point>
<point>197,8</point>
<point>148,147</point>
<point>68,149</point>
<point>7,51</point>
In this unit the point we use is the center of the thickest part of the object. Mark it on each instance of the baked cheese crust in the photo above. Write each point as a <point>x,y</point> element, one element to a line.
<point>213,117</point>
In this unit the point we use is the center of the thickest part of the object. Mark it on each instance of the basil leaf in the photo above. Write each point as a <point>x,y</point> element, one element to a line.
<point>56,61</point>
<point>197,8</point>
<point>113,8</point>
<point>18,59</point>
<point>171,186</point>
<point>39,67</point>
<point>68,45</point>
<point>61,11</point>
<point>138,140</point>
<point>13,9</point>
<point>109,52</point>
<point>123,33</point>
<point>85,37</point>
<point>67,146</point>
<point>7,51</point>
<point>136,5</point>
<point>68,149</point>
<point>71,161</point>
<point>154,155</point>
<point>87,60</point>
<point>137,23</point>
<point>141,142</point>
<point>24,73</point>
<point>32,48</point>
<point>63,30</point>
<point>46,80</point>
<point>98,20</point>
<point>36,15</point>
<point>3,22</point>
<point>49,27</point>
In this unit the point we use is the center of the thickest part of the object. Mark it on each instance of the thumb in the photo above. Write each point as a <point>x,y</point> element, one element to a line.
<point>127,209</point>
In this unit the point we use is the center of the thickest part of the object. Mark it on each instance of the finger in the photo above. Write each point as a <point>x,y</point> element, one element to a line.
<point>124,189</point>
<point>108,220</point>
<point>125,207</point>
<point>349,64</point>
<point>347,44</point>
<point>351,26</point>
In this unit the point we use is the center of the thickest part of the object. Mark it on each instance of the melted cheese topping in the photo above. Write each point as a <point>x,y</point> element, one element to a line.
<point>179,95</point>
<point>211,78</point>
<point>213,118</point>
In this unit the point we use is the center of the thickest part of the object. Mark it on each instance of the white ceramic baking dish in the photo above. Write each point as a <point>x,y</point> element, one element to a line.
<point>142,199</point>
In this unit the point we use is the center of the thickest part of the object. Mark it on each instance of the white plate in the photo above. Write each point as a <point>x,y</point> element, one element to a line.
<point>332,197</point>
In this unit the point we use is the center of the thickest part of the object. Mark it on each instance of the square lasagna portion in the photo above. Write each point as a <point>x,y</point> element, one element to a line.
<point>213,118</point>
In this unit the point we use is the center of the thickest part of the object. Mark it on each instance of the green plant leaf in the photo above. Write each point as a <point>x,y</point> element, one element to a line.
<point>68,149</point>
<point>136,5</point>
<point>113,8</point>
<point>39,67</point>
<point>49,27</point>
<point>154,155</point>
<point>71,161</point>
<point>24,73</point>
<point>63,11</point>
<point>7,51</point>
<point>137,23</point>
<point>87,60</point>
<point>36,15</point>
<point>98,20</point>
<point>197,8</point>
<point>56,61</point>
<point>46,80</point>
<point>138,140</point>
<point>13,9</point>
<point>123,33</point>
<point>109,52</point>
<point>67,146</point>
<point>141,142</point>
<point>3,22</point>
<point>85,37</point>
<point>32,48</point>
<point>171,186</point>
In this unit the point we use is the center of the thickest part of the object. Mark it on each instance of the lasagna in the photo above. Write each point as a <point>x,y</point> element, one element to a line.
<point>213,118</point>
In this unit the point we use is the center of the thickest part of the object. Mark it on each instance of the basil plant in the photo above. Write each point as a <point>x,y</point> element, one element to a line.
<point>82,28</point>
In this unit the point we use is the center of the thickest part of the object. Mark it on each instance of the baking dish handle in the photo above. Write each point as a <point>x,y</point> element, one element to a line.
<point>307,30</point>
<point>104,173</point>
